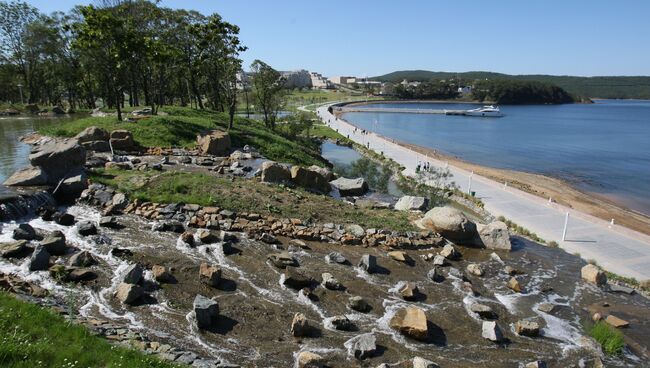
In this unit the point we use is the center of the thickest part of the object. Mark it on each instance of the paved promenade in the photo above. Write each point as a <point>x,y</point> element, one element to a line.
<point>617,249</point>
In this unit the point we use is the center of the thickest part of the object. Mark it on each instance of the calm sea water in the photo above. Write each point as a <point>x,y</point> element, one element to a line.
<point>602,147</point>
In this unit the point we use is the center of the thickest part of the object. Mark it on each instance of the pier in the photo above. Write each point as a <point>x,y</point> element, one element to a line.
<point>400,110</point>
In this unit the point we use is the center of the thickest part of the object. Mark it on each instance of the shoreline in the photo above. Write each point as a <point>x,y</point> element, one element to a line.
<point>544,187</point>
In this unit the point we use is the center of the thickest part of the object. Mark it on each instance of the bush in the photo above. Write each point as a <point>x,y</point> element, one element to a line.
<point>609,338</point>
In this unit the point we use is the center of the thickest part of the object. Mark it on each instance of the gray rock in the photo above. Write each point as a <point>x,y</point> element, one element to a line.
<point>92,133</point>
<point>58,158</point>
<point>411,203</point>
<point>527,328</point>
<point>13,249</point>
<point>24,232</point>
<point>86,228</point>
<point>273,172</point>
<point>475,269</point>
<point>40,259</point>
<point>120,201</point>
<point>335,257</point>
<point>362,346</point>
<point>439,260</point>
<point>493,236</point>
<point>450,252</point>
<point>451,223</point>
<point>217,143</point>
<point>206,311</point>
<point>329,282</point>
<point>282,260</point>
<point>129,293</point>
<point>491,331</point>
<point>538,364</point>
<point>368,263</point>
<point>483,311</point>
<point>122,140</point>
<point>82,259</point>
<point>54,243</point>
<point>268,239</point>
<point>342,323</point>
<point>300,326</point>
<point>358,304</point>
<point>546,308</point>
<point>309,179</point>
<point>64,219</point>
<point>355,230</point>
<point>294,279</point>
<point>133,274</point>
<point>423,363</point>
<point>29,176</point>
<point>350,187</point>
<point>109,222</point>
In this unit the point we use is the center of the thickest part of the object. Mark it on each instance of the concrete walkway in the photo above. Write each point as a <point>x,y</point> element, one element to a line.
<point>615,248</point>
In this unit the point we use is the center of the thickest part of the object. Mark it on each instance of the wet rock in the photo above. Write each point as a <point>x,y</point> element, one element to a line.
<point>512,271</point>
<point>450,252</point>
<point>342,323</point>
<point>128,293</point>
<point>536,364</point>
<point>546,307</point>
<point>206,311</point>
<point>209,275</point>
<point>122,140</point>
<point>294,279</point>
<point>410,203</point>
<point>494,235</point>
<point>28,176</point>
<point>300,326</point>
<point>615,288</point>
<point>527,328</point>
<point>64,219</point>
<point>491,331</point>
<point>82,259</point>
<point>161,274</point>
<point>40,259</point>
<point>409,291</point>
<point>368,263</point>
<point>172,226</point>
<point>449,222</point>
<point>282,260</point>
<point>54,243</point>
<point>217,143</point>
<point>423,363</point>
<point>362,346</point>
<point>268,239</point>
<point>350,187</point>
<point>329,282</point>
<point>514,285</point>
<point>133,274</point>
<point>188,238</point>
<point>86,228</point>
<point>435,274</point>
<point>81,274</point>
<point>592,274</point>
<point>273,172</point>
<point>483,311</point>
<point>358,304</point>
<point>24,232</point>
<point>411,322</point>
<point>307,359</point>
<point>309,179</point>
<point>13,249</point>
<point>614,321</point>
<point>475,269</point>
<point>439,260</point>
<point>109,222</point>
<point>400,256</point>
<point>208,236</point>
<point>335,257</point>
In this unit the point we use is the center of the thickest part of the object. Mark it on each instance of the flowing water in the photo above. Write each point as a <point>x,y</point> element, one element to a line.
<point>256,309</point>
<point>602,148</point>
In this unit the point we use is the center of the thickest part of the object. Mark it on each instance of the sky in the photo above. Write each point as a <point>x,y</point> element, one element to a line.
<point>369,38</point>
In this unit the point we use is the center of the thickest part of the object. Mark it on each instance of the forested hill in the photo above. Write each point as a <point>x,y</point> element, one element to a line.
<point>594,87</point>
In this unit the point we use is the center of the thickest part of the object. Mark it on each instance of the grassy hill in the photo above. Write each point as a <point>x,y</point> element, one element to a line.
<point>594,87</point>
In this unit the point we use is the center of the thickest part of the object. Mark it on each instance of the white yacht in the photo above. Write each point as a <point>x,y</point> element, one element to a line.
<point>486,111</point>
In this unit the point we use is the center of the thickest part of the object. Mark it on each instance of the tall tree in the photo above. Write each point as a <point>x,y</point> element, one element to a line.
<point>268,87</point>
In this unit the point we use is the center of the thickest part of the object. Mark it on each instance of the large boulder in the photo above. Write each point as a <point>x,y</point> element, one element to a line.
<point>593,274</point>
<point>411,322</point>
<point>40,259</point>
<point>309,179</point>
<point>350,187</point>
<point>411,203</point>
<point>92,134</point>
<point>13,249</point>
<point>58,158</point>
<point>122,140</point>
<point>273,172</point>
<point>450,223</point>
<point>494,235</point>
<point>54,243</point>
<point>206,311</point>
<point>28,176</point>
<point>215,143</point>
<point>327,173</point>
<point>129,293</point>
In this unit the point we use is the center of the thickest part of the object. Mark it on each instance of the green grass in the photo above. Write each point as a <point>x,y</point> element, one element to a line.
<point>32,336</point>
<point>610,339</point>
<point>180,127</point>
<point>247,195</point>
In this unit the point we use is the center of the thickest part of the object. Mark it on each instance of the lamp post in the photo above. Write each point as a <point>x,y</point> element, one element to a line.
<point>20,89</point>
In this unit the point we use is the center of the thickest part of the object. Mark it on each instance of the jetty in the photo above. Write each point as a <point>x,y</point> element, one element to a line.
<point>400,110</point>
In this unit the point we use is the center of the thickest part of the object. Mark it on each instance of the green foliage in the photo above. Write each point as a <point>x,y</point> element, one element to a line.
<point>520,230</point>
<point>430,90</point>
<point>609,338</point>
<point>376,175</point>
<point>268,89</point>
<point>519,92</point>
<point>36,337</point>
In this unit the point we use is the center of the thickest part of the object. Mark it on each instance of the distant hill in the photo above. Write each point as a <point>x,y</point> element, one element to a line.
<point>593,87</point>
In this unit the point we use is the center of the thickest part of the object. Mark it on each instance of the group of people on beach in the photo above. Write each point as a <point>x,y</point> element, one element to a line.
<point>423,166</point>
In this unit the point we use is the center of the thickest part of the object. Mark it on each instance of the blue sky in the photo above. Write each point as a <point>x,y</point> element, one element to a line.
<point>363,37</point>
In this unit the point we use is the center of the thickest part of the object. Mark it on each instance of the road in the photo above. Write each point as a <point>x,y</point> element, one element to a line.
<point>615,248</point>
